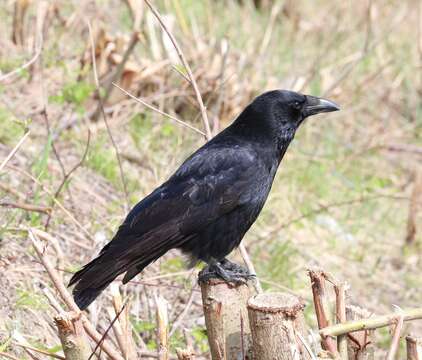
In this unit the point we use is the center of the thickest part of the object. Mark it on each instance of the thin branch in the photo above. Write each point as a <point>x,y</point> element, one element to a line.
<point>371,323</point>
<point>108,329</point>
<point>251,267</point>
<point>396,339</point>
<point>22,67</point>
<point>153,108</point>
<point>28,207</point>
<point>14,150</point>
<point>68,299</point>
<point>101,104</point>
<point>322,308</point>
<point>29,347</point>
<point>175,68</point>
<point>188,70</point>
<point>8,356</point>
<point>117,74</point>
<point>68,174</point>
<point>340,290</point>
<point>182,315</point>
<point>57,202</point>
<point>12,190</point>
<point>306,345</point>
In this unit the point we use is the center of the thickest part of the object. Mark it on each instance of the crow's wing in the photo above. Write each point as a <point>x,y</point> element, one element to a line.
<point>208,185</point>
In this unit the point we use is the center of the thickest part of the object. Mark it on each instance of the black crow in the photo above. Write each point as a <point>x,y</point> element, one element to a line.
<point>206,207</point>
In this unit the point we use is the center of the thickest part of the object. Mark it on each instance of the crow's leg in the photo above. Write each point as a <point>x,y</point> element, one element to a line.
<point>226,270</point>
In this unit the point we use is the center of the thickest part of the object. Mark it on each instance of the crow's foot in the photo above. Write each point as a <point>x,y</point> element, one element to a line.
<point>226,270</point>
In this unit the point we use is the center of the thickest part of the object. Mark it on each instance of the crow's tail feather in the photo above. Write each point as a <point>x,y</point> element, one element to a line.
<point>130,254</point>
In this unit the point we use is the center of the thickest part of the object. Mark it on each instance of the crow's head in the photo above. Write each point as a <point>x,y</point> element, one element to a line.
<point>285,110</point>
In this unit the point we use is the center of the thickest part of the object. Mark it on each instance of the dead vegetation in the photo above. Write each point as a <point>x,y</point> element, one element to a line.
<point>347,197</point>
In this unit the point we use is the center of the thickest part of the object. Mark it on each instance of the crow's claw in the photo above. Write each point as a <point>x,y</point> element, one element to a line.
<point>226,270</point>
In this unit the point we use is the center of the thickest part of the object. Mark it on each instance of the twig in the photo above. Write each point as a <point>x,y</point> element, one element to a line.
<point>340,290</point>
<point>188,70</point>
<point>57,202</point>
<point>12,191</point>
<point>67,175</point>
<point>371,323</point>
<point>306,345</point>
<point>120,67</point>
<point>162,327</point>
<point>175,68</point>
<point>123,328</point>
<point>107,330</point>
<point>250,266</point>
<point>182,315</point>
<point>181,122</point>
<point>14,150</point>
<point>322,311</point>
<point>8,356</point>
<point>101,104</point>
<point>396,338</point>
<point>52,300</point>
<point>68,300</point>
<point>29,347</point>
<point>27,207</point>
<point>22,67</point>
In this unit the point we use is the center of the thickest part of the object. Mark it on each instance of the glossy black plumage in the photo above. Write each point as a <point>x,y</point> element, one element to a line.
<point>210,202</point>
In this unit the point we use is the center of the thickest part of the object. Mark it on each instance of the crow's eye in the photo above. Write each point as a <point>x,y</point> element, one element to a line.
<point>296,104</point>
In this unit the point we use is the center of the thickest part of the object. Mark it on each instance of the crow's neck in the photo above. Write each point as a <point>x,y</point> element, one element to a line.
<point>264,133</point>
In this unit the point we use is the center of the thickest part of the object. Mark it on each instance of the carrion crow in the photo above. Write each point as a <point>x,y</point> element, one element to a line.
<point>209,203</point>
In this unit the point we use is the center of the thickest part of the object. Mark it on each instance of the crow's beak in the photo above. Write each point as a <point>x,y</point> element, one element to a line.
<point>315,105</point>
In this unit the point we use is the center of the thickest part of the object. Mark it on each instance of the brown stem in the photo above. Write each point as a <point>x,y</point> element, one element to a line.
<point>340,290</point>
<point>322,308</point>
<point>27,207</point>
<point>414,348</point>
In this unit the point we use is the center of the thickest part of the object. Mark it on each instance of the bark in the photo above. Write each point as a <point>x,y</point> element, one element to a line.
<point>275,319</point>
<point>359,344</point>
<point>72,336</point>
<point>414,348</point>
<point>226,319</point>
<point>322,307</point>
<point>162,328</point>
<point>185,354</point>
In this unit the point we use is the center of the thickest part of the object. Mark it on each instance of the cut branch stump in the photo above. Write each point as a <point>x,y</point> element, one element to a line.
<point>414,348</point>
<point>322,307</point>
<point>226,319</point>
<point>72,336</point>
<point>275,319</point>
<point>359,343</point>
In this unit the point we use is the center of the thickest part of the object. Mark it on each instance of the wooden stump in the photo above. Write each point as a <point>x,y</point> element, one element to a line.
<point>275,319</point>
<point>226,319</point>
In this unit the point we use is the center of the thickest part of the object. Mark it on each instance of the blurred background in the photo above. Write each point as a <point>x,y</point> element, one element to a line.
<point>347,197</point>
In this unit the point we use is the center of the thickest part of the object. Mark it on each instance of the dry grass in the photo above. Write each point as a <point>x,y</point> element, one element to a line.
<point>342,196</point>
